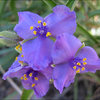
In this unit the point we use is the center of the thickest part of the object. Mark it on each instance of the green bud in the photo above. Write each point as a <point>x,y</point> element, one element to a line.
<point>9,38</point>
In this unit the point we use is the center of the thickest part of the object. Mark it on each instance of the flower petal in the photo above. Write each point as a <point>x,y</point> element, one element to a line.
<point>47,72</point>
<point>26,20</point>
<point>15,67</point>
<point>65,48</point>
<point>63,75</point>
<point>42,86</point>
<point>93,61</point>
<point>62,20</point>
<point>37,52</point>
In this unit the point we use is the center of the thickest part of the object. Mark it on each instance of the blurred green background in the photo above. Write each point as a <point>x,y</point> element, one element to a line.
<point>86,86</point>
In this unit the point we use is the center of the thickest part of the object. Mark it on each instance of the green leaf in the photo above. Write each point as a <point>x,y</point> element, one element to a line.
<point>83,31</point>
<point>2,6</point>
<point>71,4</point>
<point>9,38</point>
<point>50,3</point>
<point>27,94</point>
<point>13,7</point>
<point>94,13</point>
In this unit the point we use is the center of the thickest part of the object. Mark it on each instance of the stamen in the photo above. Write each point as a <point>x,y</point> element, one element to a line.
<point>39,21</point>
<point>79,63</point>
<point>44,23</point>
<point>84,59</point>
<point>33,85</point>
<point>83,68</point>
<point>37,26</point>
<point>74,67</point>
<point>16,58</point>
<point>20,48</point>
<point>21,78</point>
<point>36,78</point>
<point>34,32</point>
<point>17,46</point>
<point>25,78</point>
<point>30,74</point>
<point>84,63</point>
<point>48,34</point>
<point>22,55</point>
<point>24,75</point>
<point>78,71</point>
<point>31,27</point>
<point>21,62</point>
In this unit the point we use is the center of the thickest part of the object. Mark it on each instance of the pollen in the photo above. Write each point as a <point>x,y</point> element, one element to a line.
<point>83,68</point>
<point>74,67</point>
<point>30,74</point>
<point>37,26</point>
<point>24,75</point>
<point>48,34</point>
<point>33,85</point>
<point>78,63</point>
<point>21,62</point>
<point>16,58</point>
<point>78,71</point>
<point>25,78</point>
<point>84,63</point>
<point>22,55</point>
<point>17,46</point>
<point>21,78</point>
<point>36,78</point>
<point>20,48</point>
<point>39,21</point>
<point>31,27</point>
<point>84,59</point>
<point>34,32</point>
<point>44,23</point>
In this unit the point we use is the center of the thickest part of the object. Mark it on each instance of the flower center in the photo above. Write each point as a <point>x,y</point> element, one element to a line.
<point>79,64</point>
<point>32,75</point>
<point>41,30</point>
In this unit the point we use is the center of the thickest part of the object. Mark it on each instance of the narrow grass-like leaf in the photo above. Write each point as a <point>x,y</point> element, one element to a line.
<point>81,30</point>
<point>27,94</point>
<point>94,13</point>
<point>50,3</point>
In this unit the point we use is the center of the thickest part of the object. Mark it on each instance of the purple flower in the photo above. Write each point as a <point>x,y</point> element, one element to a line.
<point>31,79</point>
<point>69,60</point>
<point>37,51</point>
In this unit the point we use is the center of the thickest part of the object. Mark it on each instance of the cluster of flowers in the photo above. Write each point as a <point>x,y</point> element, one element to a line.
<point>42,58</point>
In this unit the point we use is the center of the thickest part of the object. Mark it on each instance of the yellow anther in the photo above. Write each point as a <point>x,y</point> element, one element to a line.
<point>36,78</point>
<point>20,48</point>
<point>48,34</point>
<point>30,74</point>
<point>84,59</point>
<point>16,58</point>
<point>84,63</point>
<point>83,68</point>
<point>17,46</point>
<point>34,32</point>
<point>39,21</point>
<point>33,85</point>
<point>21,78</point>
<point>37,26</point>
<point>24,75</point>
<point>25,78</point>
<point>31,27</point>
<point>74,67</point>
<point>44,23</point>
<point>22,55</point>
<point>78,63</point>
<point>78,71</point>
<point>21,62</point>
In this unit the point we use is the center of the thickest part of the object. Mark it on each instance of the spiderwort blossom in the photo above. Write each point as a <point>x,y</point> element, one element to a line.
<point>69,60</point>
<point>31,79</point>
<point>37,51</point>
